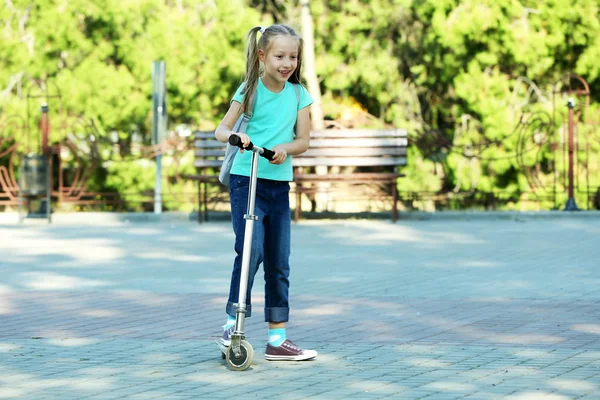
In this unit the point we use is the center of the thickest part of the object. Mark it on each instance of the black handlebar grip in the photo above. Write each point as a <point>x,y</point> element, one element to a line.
<point>235,140</point>
<point>268,154</point>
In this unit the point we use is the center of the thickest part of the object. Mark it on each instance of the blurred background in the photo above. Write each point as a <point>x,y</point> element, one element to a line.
<point>494,94</point>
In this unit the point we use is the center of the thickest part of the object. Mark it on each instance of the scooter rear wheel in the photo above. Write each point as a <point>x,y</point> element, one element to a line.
<point>242,362</point>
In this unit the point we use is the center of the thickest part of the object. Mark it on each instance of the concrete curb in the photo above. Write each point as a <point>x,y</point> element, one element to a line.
<point>496,215</point>
<point>101,218</point>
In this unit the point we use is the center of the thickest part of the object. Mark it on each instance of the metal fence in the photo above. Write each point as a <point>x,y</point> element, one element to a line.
<point>555,148</point>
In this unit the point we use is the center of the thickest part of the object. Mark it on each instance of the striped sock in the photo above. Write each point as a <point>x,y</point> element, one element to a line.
<point>276,336</point>
<point>230,322</point>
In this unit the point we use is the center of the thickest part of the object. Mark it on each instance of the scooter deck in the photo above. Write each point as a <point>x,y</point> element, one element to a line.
<point>221,346</point>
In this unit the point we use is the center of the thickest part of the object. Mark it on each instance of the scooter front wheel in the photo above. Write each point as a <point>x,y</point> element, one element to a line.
<point>244,360</point>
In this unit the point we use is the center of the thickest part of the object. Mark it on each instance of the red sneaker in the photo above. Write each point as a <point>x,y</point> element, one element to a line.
<point>288,351</point>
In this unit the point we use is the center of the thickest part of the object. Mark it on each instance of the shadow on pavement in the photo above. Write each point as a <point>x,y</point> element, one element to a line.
<point>407,310</point>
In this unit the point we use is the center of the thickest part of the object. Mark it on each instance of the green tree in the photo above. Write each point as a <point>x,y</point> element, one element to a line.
<point>458,74</point>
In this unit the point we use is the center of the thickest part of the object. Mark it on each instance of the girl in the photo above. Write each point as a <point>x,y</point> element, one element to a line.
<point>273,65</point>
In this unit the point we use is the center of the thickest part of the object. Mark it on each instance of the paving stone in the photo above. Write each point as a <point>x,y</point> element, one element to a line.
<point>445,309</point>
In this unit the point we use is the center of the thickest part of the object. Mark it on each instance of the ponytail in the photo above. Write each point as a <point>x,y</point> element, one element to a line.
<point>252,69</point>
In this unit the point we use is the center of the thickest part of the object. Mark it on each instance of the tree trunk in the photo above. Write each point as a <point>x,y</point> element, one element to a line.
<point>310,70</point>
<point>319,201</point>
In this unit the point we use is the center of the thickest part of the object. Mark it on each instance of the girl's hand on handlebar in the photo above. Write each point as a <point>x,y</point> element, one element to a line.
<point>245,139</point>
<point>280,154</point>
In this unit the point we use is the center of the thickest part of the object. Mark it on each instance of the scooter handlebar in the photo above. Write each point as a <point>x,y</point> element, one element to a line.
<point>235,140</point>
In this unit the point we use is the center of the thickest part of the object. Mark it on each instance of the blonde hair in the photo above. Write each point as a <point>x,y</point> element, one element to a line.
<point>253,64</point>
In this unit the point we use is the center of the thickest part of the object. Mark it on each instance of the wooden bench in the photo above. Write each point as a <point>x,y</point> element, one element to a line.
<point>373,155</point>
<point>208,157</point>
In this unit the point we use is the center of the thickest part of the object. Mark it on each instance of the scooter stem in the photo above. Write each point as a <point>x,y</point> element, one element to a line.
<point>249,229</point>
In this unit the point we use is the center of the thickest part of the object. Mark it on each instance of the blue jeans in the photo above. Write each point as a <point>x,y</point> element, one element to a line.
<point>270,244</point>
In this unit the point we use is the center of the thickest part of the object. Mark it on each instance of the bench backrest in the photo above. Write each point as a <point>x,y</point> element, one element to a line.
<point>330,147</point>
<point>208,151</point>
<point>354,147</point>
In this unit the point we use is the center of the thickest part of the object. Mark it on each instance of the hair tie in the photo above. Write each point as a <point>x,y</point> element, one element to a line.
<point>262,29</point>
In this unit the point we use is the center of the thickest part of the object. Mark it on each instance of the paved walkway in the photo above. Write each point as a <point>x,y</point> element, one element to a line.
<point>438,309</point>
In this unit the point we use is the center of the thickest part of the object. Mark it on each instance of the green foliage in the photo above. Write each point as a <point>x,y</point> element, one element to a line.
<point>100,55</point>
<point>458,74</point>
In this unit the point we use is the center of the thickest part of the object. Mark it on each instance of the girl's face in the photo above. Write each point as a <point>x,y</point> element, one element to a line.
<point>280,61</point>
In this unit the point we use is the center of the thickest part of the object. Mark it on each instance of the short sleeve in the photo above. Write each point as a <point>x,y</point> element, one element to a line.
<point>305,98</point>
<point>238,96</point>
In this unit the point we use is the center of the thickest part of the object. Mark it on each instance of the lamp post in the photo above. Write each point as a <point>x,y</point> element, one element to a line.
<point>46,204</point>
<point>571,204</point>
<point>159,123</point>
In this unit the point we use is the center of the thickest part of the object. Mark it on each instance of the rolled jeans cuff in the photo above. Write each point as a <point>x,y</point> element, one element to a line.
<point>231,309</point>
<point>277,314</point>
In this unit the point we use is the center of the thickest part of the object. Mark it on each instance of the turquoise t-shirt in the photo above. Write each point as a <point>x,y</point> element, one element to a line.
<point>272,123</point>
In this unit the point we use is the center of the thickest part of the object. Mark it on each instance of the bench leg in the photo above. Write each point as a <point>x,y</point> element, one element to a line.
<point>199,202</point>
<point>205,202</point>
<point>394,201</point>
<point>298,204</point>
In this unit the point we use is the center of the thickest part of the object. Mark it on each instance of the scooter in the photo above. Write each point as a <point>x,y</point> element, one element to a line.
<point>240,353</point>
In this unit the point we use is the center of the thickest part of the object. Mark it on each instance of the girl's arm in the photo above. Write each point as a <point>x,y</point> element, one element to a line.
<point>300,144</point>
<point>224,130</point>
<point>302,140</point>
